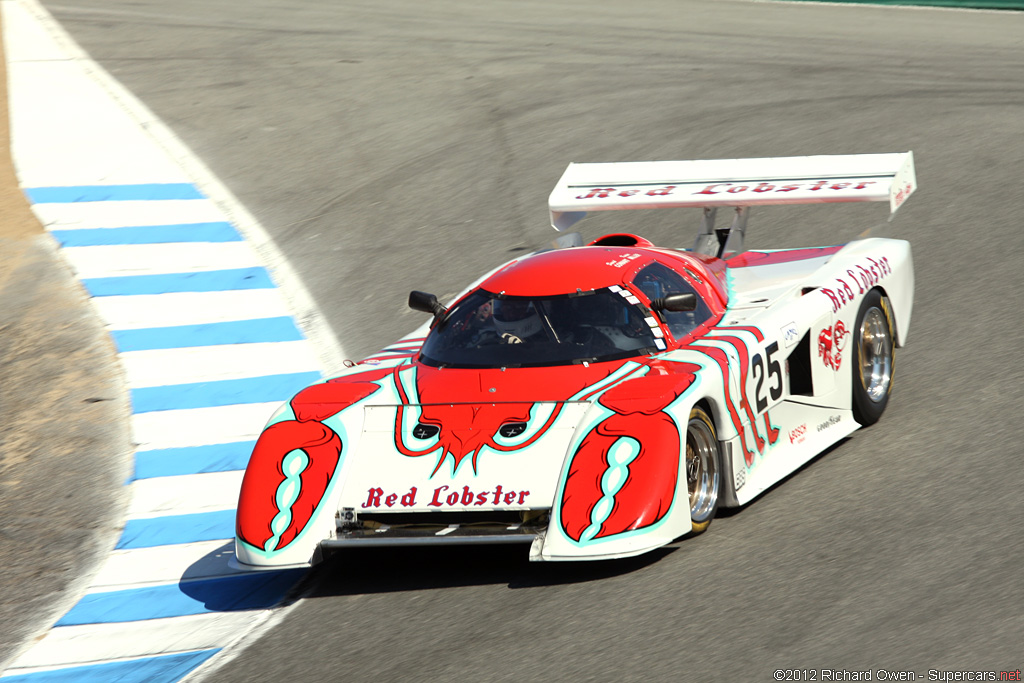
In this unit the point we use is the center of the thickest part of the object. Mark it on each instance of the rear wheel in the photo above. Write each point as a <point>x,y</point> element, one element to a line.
<point>874,345</point>
<point>703,477</point>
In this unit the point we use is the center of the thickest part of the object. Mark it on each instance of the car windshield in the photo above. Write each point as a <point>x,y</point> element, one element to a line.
<point>487,330</point>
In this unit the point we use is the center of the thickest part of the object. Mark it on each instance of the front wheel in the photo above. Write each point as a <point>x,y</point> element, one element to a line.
<point>703,478</point>
<point>872,373</point>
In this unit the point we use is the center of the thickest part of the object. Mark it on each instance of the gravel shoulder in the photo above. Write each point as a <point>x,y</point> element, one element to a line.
<point>65,448</point>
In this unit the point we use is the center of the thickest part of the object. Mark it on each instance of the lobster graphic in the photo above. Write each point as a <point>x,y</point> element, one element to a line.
<point>459,419</point>
<point>623,474</point>
<point>293,463</point>
<point>831,342</point>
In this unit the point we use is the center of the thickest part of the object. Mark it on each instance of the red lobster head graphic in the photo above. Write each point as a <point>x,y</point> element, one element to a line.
<point>462,412</point>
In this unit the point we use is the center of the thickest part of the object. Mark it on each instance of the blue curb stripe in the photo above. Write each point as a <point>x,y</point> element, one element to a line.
<point>175,529</point>
<point>170,462</point>
<point>162,669</point>
<point>251,591</point>
<point>148,234</point>
<point>211,334</point>
<point>200,281</point>
<point>223,393</point>
<point>112,193</point>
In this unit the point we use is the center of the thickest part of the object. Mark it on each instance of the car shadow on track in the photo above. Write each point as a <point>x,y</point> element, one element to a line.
<point>731,512</point>
<point>388,570</point>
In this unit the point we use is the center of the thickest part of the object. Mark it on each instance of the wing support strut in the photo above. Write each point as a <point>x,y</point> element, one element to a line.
<point>723,242</point>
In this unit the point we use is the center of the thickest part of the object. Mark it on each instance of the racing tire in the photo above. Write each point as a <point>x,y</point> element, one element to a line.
<point>874,353</point>
<point>702,469</point>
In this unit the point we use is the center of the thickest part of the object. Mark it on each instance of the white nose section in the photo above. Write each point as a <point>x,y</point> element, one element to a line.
<point>381,478</point>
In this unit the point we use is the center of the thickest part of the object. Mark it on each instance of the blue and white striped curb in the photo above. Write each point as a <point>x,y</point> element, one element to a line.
<point>188,286</point>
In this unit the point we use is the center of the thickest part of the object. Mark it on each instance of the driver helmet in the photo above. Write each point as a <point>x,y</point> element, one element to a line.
<point>516,317</point>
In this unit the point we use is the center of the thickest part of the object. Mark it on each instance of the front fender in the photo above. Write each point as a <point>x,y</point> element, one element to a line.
<point>622,491</point>
<point>291,486</point>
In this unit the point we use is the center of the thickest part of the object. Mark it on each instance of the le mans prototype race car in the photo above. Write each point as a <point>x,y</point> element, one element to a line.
<point>600,401</point>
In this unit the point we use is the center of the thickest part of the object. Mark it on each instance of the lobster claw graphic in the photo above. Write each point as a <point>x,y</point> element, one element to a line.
<point>292,465</point>
<point>303,456</point>
<point>623,474</point>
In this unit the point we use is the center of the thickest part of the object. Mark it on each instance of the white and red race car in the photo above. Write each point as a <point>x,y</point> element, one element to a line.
<point>600,401</point>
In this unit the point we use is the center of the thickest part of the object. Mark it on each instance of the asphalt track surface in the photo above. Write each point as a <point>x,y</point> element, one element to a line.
<point>406,145</point>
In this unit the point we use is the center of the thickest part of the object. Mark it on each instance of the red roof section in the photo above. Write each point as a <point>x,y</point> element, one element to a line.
<point>563,271</point>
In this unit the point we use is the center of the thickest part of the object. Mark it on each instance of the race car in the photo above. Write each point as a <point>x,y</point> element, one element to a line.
<point>600,400</point>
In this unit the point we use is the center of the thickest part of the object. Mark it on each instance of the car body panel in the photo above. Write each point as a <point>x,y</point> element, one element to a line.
<point>582,460</point>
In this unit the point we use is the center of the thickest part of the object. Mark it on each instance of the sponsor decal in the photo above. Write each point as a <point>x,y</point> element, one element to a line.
<point>798,434</point>
<point>863,277</point>
<point>620,261</point>
<point>830,422</point>
<point>462,431</point>
<point>902,194</point>
<point>605,192</point>
<point>790,335</point>
<point>831,342</point>
<point>787,187</point>
<point>823,186</point>
<point>444,496</point>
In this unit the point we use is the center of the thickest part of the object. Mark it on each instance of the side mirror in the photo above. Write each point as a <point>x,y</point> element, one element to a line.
<point>675,303</point>
<point>428,303</point>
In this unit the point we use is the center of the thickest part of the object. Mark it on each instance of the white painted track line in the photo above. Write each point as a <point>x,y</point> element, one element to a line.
<point>126,213</point>
<point>149,259</point>
<point>165,563</point>
<point>189,308</point>
<point>185,494</point>
<point>211,363</point>
<point>200,426</point>
<point>101,642</point>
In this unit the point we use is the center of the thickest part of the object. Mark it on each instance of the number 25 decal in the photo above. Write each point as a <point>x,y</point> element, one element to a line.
<point>774,371</point>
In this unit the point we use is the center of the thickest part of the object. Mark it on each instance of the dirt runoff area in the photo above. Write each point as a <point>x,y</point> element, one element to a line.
<point>65,450</point>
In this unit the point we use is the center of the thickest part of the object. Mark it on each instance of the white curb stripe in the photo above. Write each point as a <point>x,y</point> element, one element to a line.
<point>205,363</point>
<point>148,259</point>
<point>167,428</point>
<point>85,215</point>
<point>189,308</point>
<point>67,645</point>
<point>184,495</point>
<point>164,564</point>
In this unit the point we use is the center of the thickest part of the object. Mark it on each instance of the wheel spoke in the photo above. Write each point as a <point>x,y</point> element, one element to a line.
<point>876,355</point>
<point>701,470</point>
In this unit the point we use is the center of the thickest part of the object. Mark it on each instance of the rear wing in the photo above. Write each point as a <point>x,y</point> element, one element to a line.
<point>735,183</point>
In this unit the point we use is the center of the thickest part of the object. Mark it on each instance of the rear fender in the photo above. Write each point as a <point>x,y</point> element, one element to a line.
<point>886,264</point>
